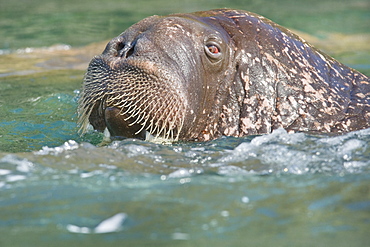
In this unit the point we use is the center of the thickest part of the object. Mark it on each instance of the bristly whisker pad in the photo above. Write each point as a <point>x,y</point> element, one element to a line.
<point>141,97</point>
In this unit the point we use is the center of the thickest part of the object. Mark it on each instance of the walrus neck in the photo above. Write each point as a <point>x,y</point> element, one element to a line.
<point>224,117</point>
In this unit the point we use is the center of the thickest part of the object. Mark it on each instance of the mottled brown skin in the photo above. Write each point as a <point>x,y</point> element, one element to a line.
<point>225,72</point>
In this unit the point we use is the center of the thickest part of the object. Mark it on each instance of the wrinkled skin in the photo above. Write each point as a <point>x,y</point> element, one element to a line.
<point>225,72</point>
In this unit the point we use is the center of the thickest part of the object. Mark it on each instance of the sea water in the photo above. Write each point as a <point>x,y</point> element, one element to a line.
<point>279,189</point>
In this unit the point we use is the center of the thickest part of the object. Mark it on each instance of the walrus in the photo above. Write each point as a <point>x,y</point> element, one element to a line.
<point>223,72</point>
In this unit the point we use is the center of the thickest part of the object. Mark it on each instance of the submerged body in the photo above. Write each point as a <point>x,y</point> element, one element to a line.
<point>226,72</point>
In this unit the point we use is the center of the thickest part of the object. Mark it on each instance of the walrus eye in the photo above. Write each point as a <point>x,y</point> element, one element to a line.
<point>213,51</point>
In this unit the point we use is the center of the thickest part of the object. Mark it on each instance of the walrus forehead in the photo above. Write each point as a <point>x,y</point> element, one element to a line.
<point>176,28</point>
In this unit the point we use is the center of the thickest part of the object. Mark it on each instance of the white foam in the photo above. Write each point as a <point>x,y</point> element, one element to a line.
<point>68,145</point>
<point>112,224</point>
<point>13,178</point>
<point>77,229</point>
<point>232,171</point>
<point>135,150</point>
<point>268,152</point>
<point>352,145</point>
<point>23,165</point>
<point>278,135</point>
<point>4,172</point>
<point>355,166</point>
<point>181,173</point>
<point>245,199</point>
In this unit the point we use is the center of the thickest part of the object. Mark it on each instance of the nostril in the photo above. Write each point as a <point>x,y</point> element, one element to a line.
<point>125,49</point>
<point>130,51</point>
<point>120,47</point>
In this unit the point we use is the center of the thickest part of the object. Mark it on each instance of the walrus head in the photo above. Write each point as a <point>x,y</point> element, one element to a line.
<point>156,79</point>
<point>227,72</point>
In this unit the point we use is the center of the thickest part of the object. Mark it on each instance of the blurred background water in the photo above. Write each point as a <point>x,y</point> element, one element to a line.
<point>58,189</point>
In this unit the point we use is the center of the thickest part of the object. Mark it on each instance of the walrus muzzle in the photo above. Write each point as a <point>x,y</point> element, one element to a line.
<point>128,99</point>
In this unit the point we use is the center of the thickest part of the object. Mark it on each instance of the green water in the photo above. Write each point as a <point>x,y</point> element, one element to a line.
<point>32,118</point>
<point>44,22</point>
<point>56,187</point>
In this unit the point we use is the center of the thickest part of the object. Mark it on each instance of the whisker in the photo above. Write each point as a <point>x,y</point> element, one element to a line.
<point>141,98</point>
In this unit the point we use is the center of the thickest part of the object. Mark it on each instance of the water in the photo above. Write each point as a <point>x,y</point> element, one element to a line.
<point>58,189</point>
<point>282,189</point>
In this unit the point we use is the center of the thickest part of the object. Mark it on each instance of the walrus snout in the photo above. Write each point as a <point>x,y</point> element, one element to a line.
<point>126,97</point>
